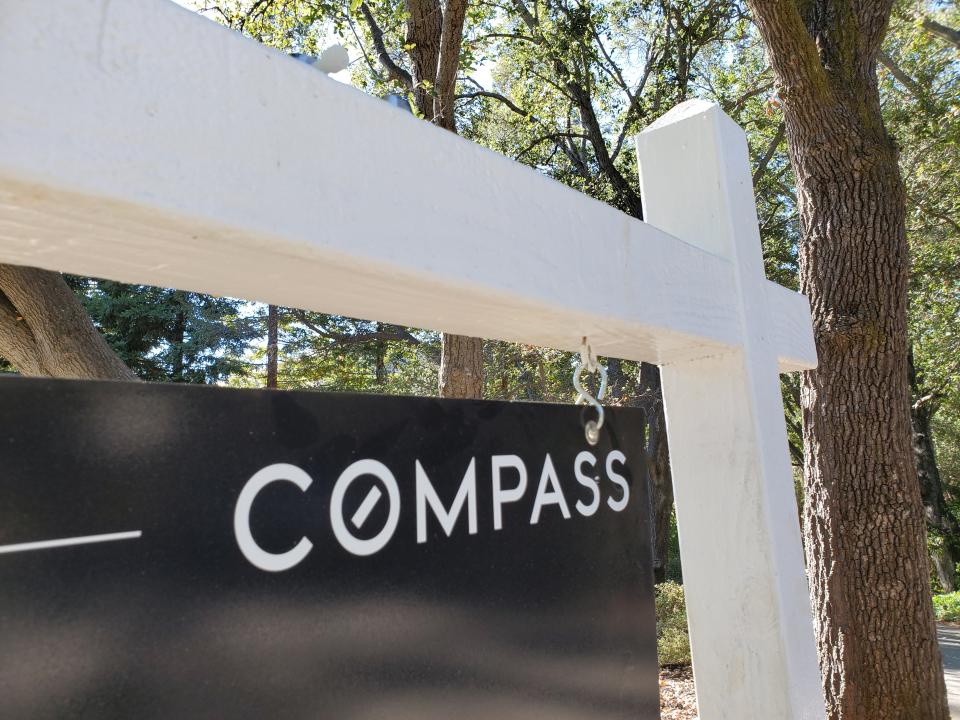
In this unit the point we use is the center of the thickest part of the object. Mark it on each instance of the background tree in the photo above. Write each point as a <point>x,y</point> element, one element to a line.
<point>331,352</point>
<point>434,35</point>
<point>920,87</point>
<point>169,335</point>
<point>417,46</point>
<point>864,523</point>
<point>571,83</point>
<point>272,351</point>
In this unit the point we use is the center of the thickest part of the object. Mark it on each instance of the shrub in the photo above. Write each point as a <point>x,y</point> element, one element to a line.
<point>945,607</point>
<point>673,641</point>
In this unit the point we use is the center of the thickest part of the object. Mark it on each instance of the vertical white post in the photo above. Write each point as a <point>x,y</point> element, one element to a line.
<point>747,601</point>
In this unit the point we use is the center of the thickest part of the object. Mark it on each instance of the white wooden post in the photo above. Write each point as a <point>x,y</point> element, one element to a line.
<point>747,601</point>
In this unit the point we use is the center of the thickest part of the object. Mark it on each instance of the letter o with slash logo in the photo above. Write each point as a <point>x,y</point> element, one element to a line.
<point>284,472</point>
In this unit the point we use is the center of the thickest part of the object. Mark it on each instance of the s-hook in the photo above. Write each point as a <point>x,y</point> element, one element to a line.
<point>588,362</point>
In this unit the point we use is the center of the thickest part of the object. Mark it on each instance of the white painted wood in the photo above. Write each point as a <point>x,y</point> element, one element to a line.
<point>747,602</point>
<point>142,143</point>
<point>790,329</point>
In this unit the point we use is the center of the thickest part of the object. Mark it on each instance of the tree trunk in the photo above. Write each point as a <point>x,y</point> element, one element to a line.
<point>944,562</point>
<point>461,367</point>
<point>864,522</point>
<point>864,525</point>
<point>424,31</point>
<point>939,517</point>
<point>380,370</point>
<point>45,330</point>
<point>657,455</point>
<point>273,322</point>
<point>435,36</point>
<point>179,335</point>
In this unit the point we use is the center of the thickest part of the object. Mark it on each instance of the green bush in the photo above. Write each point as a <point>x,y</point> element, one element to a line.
<point>945,607</point>
<point>673,641</point>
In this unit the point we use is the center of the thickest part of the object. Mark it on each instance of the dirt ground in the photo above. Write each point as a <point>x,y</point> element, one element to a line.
<point>678,700</point>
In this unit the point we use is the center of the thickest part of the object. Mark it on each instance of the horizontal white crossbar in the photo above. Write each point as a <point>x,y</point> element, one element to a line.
<point>142,143</point>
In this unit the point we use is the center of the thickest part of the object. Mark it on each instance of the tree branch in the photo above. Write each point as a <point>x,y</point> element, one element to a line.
<point>394,71</point>
<point>627,194</point>
<point>556,137</point>
<point>505,36</point>
<point>529,20</point>
<point>792,52</point>
<point>941,31</point>
<point>614,71</point>
<point>768,155</point>
<point>935,213</point>
<point>497,96</point>
<point>393,332</point>
<point>363,49</point>
<point>633,110</point>
<point>258,8</point>
<point>451,38</point>
<point>908,82</point>
<point>742,100</point>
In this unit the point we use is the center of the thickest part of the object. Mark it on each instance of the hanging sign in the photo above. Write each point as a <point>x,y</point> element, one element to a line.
<point>190,552</point>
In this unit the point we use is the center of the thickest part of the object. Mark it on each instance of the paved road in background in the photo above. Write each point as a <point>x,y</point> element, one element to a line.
<point>949,638</point>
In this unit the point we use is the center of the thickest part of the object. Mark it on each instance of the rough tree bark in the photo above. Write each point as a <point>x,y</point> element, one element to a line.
<point>863,518</point>
<point>45,330</point>
<point>461,367</point>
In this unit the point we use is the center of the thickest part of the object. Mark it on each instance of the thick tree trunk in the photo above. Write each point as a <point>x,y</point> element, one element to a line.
<point>864,524</point>
<point>273,323</point>
<point>461,367</point>
<point>45,330</point>
<point>424,33</point>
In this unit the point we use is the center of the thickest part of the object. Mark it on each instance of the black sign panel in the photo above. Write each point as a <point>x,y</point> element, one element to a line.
<point>188,552</point>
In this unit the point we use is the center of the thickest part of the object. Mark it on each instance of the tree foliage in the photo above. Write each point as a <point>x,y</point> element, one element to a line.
<point>169,335</point>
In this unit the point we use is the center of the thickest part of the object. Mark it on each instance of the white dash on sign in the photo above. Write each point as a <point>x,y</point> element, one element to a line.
<point>366,507</point>
<point>65,542</point>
